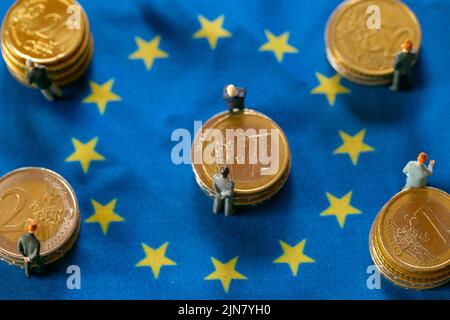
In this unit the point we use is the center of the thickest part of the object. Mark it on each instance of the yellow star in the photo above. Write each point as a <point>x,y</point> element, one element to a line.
<point>225,272</point>
<point>278,44</point>
<point>353,145</point>
<point>340,208</point>
<point>104,215</point>
<point>212,30</point>
<point>148,51</point>
<point>85,153</point>
<point>293,256</point>
<point>102,95</point>
<point>331,87</point>
<point>155,259</point>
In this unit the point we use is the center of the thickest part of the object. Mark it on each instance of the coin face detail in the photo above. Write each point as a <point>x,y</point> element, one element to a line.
<point>352,46</point>
<point>251,145</point>
<point>38,30</point>
<point>40,194</point>
<point>415,229</point>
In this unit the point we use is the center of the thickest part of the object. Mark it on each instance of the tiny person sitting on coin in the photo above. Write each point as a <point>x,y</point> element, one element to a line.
<point>417,173</point>
<point>403,65</point>
<point>224,196</point>
<point>30,248</point>
<point>38,76</point>
<point>234,97</point>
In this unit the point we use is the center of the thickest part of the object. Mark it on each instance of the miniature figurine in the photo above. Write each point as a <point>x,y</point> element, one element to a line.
<point>417,173</point>
<point>234,97</point>
<point>403,65</point>
<point>38,75</point>
<point>224,187</point>
<point>30,247</point>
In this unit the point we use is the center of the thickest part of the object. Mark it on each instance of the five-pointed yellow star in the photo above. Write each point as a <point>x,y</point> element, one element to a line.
<point>85,153</point>
<point>104,215</point>
<point>353,145</point>
<point>225,272</point>
<point>212,30</point>
<point>293,256</point>
<point>155,259</point>
<point>102,95</point>
<point>331,87</point>
<point>340,208</point>
<point>278,44</point>
<point>148,51</point>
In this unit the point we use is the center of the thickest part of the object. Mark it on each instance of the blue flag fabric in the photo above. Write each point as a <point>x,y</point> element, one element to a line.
<point>147,229</point>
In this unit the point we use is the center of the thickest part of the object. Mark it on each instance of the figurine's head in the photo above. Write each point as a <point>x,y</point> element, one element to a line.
<point>407,46</point>
<point>29,63</point>
<point>32,225</point>
<point>422,158</point>
<point>232,90</point>
<point>225,171</point>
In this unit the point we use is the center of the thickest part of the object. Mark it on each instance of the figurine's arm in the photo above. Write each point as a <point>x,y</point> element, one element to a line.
<point>35,252</point>
<point>29,77</point>
<point>20,248</point>
<point>430,168</point>
<point>406,168</point>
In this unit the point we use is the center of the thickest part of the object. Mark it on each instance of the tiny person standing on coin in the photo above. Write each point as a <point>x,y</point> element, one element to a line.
<point>30,247</point>
<point>403,65</point>
<point>223,187</point>
<point>234,97</point>
<point>38,75</point>
<point>417,173</point>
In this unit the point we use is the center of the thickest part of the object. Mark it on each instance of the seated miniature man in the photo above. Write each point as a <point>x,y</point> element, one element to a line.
<point>30,247</point>
<point>234,97</point>
<point>224,187</point>
<point>38,75</point>
<point>417,173</point>
<point>403,65</point>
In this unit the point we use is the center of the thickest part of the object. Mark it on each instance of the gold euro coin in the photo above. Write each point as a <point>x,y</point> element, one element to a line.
<point>38,30</point>
<point>254,148</point>
<point>53,33</point>
<point>410,238</point>
<point>42,195</point>
<point>363,53</point>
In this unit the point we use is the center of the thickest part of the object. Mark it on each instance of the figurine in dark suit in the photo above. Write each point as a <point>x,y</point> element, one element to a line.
<point>30,248</point>
<point>38,76</point>
<point>403,65</point>
<point>234,97</point>
<point>224,187</point>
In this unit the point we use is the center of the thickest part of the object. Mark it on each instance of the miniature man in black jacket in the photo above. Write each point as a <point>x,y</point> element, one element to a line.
<point>30,247</point>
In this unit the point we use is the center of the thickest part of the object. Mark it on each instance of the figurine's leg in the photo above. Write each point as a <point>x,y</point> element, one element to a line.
<point>27,269</point>
<point>48,94</point>
<point>217,204</point>
<point>56,90</point>
<point>229,206</point>
<point>395,81</point>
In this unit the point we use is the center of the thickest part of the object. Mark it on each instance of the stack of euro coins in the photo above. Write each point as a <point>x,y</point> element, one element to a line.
<point>46,197</point>
<point>362,51</point>
<point>251,145</point>
<point>52,33</point>
<point>410,240</point>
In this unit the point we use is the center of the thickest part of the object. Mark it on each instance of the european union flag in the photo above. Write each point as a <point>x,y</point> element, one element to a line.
<point>147,230</point>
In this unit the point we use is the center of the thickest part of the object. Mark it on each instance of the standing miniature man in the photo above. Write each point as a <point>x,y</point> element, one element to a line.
<point>38,75</point>
<point>224,187</point>
<point>417,173</point>
<point>30,248</point>
<point>234,97</point>
<point>403,65</point>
